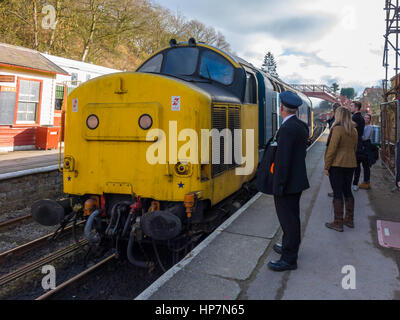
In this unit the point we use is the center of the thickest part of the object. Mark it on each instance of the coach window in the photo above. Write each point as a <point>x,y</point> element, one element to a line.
<point>28,100</point>
<point>181,61</point>
<point>153,65</point>
<point>251,89</point>
<point>215,67</point>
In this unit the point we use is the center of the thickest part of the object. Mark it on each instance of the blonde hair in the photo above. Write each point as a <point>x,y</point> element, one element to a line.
<point>343,118</point>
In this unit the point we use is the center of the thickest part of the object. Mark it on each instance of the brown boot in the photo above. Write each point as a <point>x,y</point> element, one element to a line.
<point>337,223</point>
<point>349,218</point>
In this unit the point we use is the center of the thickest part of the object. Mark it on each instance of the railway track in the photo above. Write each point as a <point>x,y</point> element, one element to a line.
<point>14,222</point>
<point>40,262</point>
<point>40,242</point>
<point>76,278</point>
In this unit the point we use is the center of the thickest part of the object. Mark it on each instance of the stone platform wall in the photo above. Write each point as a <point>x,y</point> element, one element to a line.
<point>19,193</point>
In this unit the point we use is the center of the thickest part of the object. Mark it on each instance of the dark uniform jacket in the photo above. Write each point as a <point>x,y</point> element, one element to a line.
<point>359,120</point>
<point>290,174</point>
<point>331,122</point>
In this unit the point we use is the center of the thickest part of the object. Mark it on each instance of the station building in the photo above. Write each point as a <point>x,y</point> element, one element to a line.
<point>33,89</point>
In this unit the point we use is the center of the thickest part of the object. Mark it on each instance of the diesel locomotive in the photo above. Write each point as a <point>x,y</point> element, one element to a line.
<point>133,162</point>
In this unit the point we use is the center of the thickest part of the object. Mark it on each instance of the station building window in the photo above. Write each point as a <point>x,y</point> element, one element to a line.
<point>74,79</point>
<point>28,100</point>
<point>59,97</point>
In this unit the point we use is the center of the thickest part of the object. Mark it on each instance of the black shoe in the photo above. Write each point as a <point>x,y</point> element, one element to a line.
<point>277,248</point>
<point>281,265</point>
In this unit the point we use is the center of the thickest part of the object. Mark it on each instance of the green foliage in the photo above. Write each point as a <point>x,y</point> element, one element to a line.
<point>348,92</point>
<point>335,87</point>
<point>269,65</point>
<point>113,33</point>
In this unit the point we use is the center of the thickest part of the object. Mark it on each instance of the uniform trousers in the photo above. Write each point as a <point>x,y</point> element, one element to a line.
<point>288,211</point>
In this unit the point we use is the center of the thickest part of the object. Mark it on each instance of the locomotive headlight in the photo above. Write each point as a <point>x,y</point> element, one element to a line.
<point>145,121</point>
<point>92,122</point>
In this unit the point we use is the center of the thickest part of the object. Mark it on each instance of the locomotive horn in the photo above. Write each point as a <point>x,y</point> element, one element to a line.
<point>172,42</point>
<point>192,42</point>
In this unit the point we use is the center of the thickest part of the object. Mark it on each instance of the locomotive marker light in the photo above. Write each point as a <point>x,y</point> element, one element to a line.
<point>145,121</point>
<point>92,122</point>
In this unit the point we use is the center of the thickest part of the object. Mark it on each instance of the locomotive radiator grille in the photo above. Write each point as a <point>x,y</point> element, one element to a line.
<point>224,118</point>
<point>219,123</point>
<point>233,123</point>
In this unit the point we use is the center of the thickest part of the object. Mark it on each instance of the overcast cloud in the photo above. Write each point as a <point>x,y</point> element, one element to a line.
<point>313,41</point>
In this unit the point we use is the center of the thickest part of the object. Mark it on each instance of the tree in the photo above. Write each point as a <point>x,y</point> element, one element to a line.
<point>118,34</point>
<point>269,65</point>
<point>335,87</point>
<point>348,92</point>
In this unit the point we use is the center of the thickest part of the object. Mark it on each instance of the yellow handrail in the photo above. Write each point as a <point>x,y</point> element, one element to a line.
<point>60,141</point>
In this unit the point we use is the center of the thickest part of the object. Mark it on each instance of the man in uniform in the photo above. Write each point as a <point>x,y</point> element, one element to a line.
<point>290,179</point>
<point>357,117</point>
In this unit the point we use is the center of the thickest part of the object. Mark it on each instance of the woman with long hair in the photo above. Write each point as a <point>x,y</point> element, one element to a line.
<point>340,162</point>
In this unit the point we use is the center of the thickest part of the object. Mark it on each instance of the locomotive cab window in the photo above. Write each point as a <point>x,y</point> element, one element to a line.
<point>181,61</point>
<point>153,65</point>
<point>215,67</point>
<point>250,96</point>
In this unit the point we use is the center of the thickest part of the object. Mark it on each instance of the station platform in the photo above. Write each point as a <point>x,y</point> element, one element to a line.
<point>232,262</point>
<point>17,161</point>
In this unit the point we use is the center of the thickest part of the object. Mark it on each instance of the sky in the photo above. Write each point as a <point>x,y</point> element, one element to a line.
<point>313,41</point>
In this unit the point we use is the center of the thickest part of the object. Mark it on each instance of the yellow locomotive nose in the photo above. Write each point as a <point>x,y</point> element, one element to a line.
<point>108,122</point>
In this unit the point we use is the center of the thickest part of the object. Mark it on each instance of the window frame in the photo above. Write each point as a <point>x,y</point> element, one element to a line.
<point>196,73</point>
<point>196,69</point>
<point>39,104</point>
<point>255,88</point>
<point>202,52</point>
<point>151,58</point>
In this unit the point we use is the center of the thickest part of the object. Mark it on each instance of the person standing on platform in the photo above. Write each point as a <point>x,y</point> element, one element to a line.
<point>289,180</point>
<point>366,160</point>
<point>340,161</point>
<point>330,123</point>
<point>332,120</point>
<point>355,108</point>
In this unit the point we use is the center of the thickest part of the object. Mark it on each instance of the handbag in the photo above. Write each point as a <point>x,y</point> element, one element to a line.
<point>265,171</point>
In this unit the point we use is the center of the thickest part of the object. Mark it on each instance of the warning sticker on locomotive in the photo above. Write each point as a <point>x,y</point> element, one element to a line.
<point>176,104</point>
<point>74,105</point>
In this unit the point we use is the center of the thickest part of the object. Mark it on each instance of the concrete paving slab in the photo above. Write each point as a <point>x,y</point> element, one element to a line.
<point>267,284</point>
<point>189,285</point>
<point>230,256</point>
<point>324,254</point>
<point>259,220</point>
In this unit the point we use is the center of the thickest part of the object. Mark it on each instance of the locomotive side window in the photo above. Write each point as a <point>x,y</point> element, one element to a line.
<point>251,89</point>
<point>215,67</point>
<point>153,65</point>
<point>181,61</point>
